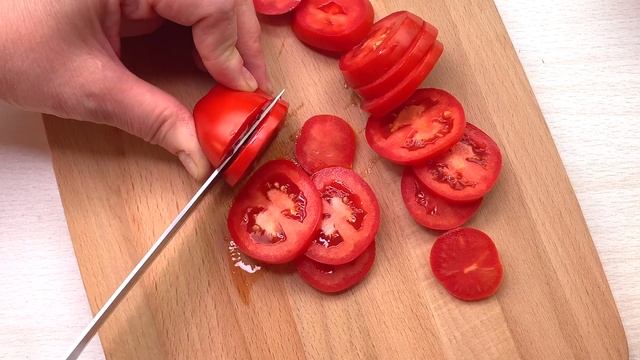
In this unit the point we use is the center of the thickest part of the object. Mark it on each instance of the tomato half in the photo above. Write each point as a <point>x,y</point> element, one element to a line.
<point>325,141</point>
<point>275,7</point>
<point>402,68</point>
<point>351,216</point>
<point>336,278</point>
<point>433,211</point>
<point>430,122</point>
<point>466,262</point>
<point>332,25</point>
<point>467,171</point>
<point>275,214</point>
<point>385,45</point>
<point>396,96</point>
<point>220,118</point>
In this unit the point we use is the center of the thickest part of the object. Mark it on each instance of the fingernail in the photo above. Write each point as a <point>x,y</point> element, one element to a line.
<point>189,164</point>
<point>249,80</point>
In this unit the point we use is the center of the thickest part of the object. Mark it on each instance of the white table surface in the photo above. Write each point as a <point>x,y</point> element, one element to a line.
<point>583,62</point>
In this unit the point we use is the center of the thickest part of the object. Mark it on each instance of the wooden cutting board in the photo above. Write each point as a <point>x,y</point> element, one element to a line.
<point>119,193</point>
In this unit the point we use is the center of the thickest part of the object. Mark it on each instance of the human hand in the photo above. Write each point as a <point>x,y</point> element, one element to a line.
<point>61,57</point>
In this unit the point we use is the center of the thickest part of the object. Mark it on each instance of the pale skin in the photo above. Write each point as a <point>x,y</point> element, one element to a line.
<point>61,57</point>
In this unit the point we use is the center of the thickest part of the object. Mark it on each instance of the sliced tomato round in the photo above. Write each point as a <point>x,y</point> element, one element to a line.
<point>467,171</point>
<point>395,97</point>
<point>429,123</point>
<point>275,7</point>
<point>387,43</point>
<point>223,114</point>
<point>351,217</point>
<point>276,213</point>
<point>336,278</point>
<point>325,141</point>
<point>333,25</point>
<point>394,76</point>
<point>466,262</point>
<point>431,210</point>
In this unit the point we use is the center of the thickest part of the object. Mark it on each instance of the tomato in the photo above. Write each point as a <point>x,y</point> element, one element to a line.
<point>396,96</point>
<point>433,211</point>
<point>402,68</point>
<point>465,172</point>
<point>336,278</point>
<point>325,141</point>
<point>333,25</point>
<point>385,45</point>
<point>220,118</point>
<point>351,217</point>
<point>429,123</point>
<point>275,214</point>
<point>275,7</point>
<point>466,262</point>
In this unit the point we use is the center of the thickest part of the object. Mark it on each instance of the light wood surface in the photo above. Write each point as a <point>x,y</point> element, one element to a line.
<point>555,302</point>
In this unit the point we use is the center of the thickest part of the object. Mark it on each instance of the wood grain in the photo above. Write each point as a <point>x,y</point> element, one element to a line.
<point>554,303</point>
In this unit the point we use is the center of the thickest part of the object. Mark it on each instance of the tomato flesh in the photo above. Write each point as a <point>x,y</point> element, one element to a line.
<point>466,262</point>
<point>351,217</point>
<point>275,214</point>
<point>325,141</point>
<point>275,7</point>
<point>467,171</point>
<point>395,97</point>
<point>336,278</point>
<point>334,26</point>
<point>431,210</point>
<point>427,124</point>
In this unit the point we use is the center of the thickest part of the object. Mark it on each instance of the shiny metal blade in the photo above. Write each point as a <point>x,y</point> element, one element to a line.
<point>155,250</point>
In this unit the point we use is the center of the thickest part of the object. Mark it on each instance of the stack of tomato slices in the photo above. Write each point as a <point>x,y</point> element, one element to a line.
<point>325,220</point>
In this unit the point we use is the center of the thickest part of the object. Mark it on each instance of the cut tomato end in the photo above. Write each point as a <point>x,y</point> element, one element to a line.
<point>325,141</point>
<point>275,7</point>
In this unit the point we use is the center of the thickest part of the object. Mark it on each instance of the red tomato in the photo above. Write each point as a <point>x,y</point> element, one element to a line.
<point>351,217</point>
<point>466,262</point>
<point>385,45</point>
<point>419,49</point>
<point>396,96</point>
<point>334,26</point>
<point>426,125</point>
<point>336,278</point>
<point>465,172</point>
<point>275,7</point>
<point>276,213</point>
<point>325,141</point>
<point>220,118</point>
<point>433,211</point>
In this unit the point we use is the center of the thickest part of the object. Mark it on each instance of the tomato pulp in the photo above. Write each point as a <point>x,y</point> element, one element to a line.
<point>325,141</point>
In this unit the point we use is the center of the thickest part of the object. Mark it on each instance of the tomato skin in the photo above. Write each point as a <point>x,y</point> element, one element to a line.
<point>436,122</point>
<point>431,210</point>
<point>334,26</point>
<point>466,262</point>
<point>385,45</point>
<point>336,278</point>
<point>220,118</point>
<point>353,229</point>
<point>395,97</point>
<point>271,225</point>
<point>275,7</point>
<point>476,160</point>
<point>325,141</point>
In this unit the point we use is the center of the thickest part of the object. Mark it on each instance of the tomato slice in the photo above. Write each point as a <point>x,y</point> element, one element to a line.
<point>465,172</point>
<point>333,25</point>
<point>275,7</point>
<point>336,278</point>
<point>275,214</point>
<point>430,122</point>
<point>351,216</point>
<point>396,96</point>
<point>385,45</point>
<point>419,49</point>
<point>325,141</point>
<point>466,262</point>
<point>220,118</point>
<point>433,211</point>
